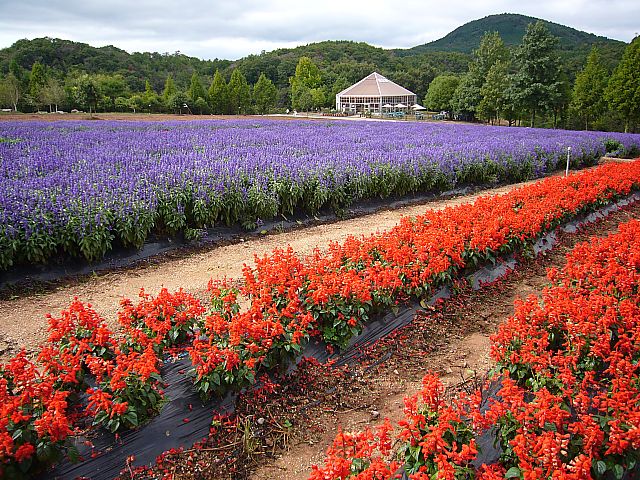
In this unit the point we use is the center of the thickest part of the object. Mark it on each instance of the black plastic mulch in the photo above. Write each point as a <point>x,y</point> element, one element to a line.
<point>170,429</point>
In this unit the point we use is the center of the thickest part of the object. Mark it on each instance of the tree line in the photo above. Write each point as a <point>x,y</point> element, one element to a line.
<point>529,86</point>
<point>125,82</point>
<point>41,90</point>
<point>37,91</point>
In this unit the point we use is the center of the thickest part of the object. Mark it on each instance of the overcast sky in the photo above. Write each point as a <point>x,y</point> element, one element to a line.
<point>231,29</point>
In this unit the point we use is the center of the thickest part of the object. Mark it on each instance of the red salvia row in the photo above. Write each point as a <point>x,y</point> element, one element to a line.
<point>333,293</point>
<point>287,299</point>
<point>40,402</point>
<point>568,406</point>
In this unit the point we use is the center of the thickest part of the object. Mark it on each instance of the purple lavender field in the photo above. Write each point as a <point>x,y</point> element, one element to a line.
<point>83,188</point>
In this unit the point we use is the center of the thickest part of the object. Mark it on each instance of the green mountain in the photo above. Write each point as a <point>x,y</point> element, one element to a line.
<point>574,45</point>
<point>65,56</point>
<point>341,62</point>
<point>348,62</point>
<point>511,28</point>
<point>344,62</point>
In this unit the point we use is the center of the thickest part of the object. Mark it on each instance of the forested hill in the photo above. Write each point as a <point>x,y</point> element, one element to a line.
<point>511,28</point>
<point>65,56</point>
<point>574,45</point>
<point>341,62</point>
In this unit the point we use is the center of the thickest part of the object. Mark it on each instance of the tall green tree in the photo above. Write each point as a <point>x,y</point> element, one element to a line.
<point>10,91</point>
<point>468,95</point>
<point>265,94</point>
<point>491,51</point>
<point>169,89</point>
<point>201,106</point>
<point>561,99</point>
<point>136,103</point>
<point>307,90</point>
<point>53,94</point>
<point>319,96</point>
<point>307,73</point>
<point>177,103</point>
<point>440,94</point>
<point>239,93</point>
<point>37,82</point>
<point>121,104</point>
<point>511,109</point>
<point>494,92</point>
<point>537,79</point>
<point>218,95</point>
<point>588,91</point>
<point>196,90</point>
<point>303,100</point>
<point>87,93</point>
<point>152,100</point>
<point>111,86</point>
<point>623,90</point>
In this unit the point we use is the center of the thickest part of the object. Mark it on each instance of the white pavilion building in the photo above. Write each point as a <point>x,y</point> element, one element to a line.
<point>374,94</point>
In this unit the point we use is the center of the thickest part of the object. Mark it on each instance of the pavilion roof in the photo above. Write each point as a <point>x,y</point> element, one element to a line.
<point>375,85</point>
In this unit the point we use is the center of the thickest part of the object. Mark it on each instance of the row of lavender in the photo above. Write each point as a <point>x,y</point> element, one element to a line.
<point>82,188</point>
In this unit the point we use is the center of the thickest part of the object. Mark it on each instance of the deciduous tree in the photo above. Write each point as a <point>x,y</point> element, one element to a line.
<point>494,92</point>
<point>588,90</point>
<point>440,94</point>
<point>87,93</point>
<point>110,87</point>
<point>306,86</point>
<point>177,102</point>
<point>10,91</point>
<point>307,73</point>
<point>37,82</point>
<point>52,94</point>
<point>623,90</point>
<point>491,51</point>
<point>537,77</point>
<point>201,105</point>
<point>468,95</point>
<point>136,103</point>
<point>560,99</point>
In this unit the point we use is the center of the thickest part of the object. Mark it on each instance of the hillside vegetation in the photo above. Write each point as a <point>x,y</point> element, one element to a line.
<point>48,73</point>
<point>573,45</point>
<point>511,28</point>
<point>64,57</point>
<point>346,59</point>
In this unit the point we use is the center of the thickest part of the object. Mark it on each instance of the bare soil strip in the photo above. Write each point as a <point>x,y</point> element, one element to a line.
<point>24,316</point>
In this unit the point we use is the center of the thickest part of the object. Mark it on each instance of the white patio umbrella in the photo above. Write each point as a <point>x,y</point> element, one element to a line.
<point>387,105</point>
<point>418,107</point>
<point>401,105</point>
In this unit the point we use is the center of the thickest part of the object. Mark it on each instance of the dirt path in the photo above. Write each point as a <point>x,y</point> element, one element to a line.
<point>24,322</point>
<point>452,341</point>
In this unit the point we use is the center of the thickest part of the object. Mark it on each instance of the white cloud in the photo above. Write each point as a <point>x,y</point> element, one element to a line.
<point>232,29</point>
